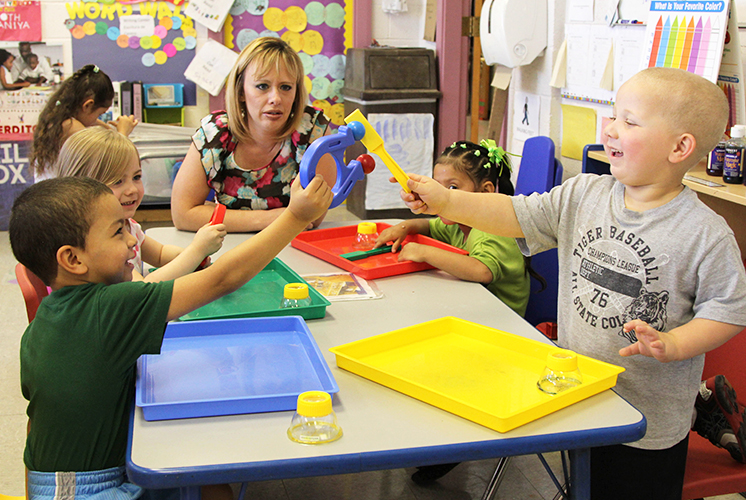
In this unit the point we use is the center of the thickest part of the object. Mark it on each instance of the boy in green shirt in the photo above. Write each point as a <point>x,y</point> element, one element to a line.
<point>78,355</point>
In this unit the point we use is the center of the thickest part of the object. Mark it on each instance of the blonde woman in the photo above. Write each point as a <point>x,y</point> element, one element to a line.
<point>111,158</point>
<point>250,153</point>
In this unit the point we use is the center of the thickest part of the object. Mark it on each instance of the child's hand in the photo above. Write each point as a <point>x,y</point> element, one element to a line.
<point>413,251</point>
<point>209,239</point>
<point>312,202</point>
<point>125,124</point>
<point>427,196</point>
<point>650,342</point>
<point>395,233</point>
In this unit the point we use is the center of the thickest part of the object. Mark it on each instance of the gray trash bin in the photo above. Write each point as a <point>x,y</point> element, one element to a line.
<point>388,80</point>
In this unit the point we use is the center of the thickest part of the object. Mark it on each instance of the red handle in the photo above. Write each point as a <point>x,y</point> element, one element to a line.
<point>217,218</point>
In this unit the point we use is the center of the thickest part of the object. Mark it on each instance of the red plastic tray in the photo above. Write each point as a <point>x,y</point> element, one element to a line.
<point>329,244</point>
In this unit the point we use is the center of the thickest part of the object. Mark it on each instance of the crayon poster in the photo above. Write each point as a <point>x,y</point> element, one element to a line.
<point>686,34</point>
<point>152,42</point>
<point>318,30</point>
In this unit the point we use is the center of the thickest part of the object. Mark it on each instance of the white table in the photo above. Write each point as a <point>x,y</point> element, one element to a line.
<point>383,429</point>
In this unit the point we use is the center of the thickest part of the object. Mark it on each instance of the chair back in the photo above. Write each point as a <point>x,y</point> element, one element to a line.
<point>33,289</point>
<point>538,166</point>
<point>593,166</point>
<point>539,172</point>
<point>711,471</point>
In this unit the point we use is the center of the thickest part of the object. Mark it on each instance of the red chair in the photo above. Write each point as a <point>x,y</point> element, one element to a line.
<point>711,471</point>
<point>33,289</point>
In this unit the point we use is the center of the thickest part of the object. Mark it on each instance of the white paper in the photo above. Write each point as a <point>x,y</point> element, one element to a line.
<point>210,66</point>
<point>578,54</point>
<point>600,52</point>
<point>580,10</point>
<point>408,138</point>
<point>628,41</point>
<point>209,13</point>
<point>502,77</point>
<point>137,25</point>
<point>526,111</point>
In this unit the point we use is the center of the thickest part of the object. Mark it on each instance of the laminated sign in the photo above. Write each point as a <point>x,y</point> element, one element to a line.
<point>20,21</point>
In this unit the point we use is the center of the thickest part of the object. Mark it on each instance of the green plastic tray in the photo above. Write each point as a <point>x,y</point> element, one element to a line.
<point>261,297</point>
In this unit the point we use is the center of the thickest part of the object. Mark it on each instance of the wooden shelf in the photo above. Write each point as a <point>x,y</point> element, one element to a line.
<point>734,193</point>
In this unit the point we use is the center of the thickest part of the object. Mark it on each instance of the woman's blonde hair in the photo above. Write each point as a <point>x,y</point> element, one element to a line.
<point>96,152</point>
<point>268,53</point>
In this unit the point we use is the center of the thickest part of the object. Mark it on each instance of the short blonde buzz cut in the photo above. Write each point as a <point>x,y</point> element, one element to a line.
<point>268,53</point>
<point>690,103</point>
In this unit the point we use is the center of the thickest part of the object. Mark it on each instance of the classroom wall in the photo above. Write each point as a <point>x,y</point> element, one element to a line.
<point>53,14</point>
<point>404,29</point>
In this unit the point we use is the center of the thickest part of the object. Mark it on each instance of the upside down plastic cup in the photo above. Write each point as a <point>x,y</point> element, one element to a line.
<point>561,372</point>
<point>314,421</point>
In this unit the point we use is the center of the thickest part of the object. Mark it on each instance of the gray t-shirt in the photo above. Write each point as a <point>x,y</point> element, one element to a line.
<point>665,266</point>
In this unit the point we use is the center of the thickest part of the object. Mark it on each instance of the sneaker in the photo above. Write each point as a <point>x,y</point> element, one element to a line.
<point>429,473</point>
<point>720,417</point>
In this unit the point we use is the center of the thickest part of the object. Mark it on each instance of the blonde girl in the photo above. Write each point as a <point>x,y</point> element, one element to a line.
<point>110,157</point>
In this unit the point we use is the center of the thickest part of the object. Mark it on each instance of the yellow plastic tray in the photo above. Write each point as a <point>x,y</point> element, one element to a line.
<point>482,374</point>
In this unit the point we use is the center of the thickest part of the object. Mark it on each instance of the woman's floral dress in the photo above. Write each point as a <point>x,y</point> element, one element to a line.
<point>262,189</point>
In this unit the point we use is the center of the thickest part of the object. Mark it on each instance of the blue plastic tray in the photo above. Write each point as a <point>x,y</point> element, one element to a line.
<point>231,366</point>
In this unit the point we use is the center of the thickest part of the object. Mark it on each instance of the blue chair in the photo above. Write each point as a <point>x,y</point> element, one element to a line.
<point>591,166</point>
<point>540,171</point>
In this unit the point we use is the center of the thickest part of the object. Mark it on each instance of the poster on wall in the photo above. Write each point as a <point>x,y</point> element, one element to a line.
<point>20,21</point>
<point>318,30</point>
<point>152,42</point>
<point>15,175</point>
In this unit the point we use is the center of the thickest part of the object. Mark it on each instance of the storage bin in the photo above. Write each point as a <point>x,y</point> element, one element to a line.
<point>388,80</point>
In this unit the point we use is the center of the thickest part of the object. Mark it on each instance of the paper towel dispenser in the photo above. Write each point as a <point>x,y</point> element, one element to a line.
<point>513,32</point>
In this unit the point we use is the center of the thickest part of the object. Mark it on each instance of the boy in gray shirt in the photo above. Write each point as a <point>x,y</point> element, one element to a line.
<point>650,277</point>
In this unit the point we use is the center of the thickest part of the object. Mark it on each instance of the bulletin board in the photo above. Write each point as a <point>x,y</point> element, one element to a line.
<point>152,42</point>
<point>320,31</point>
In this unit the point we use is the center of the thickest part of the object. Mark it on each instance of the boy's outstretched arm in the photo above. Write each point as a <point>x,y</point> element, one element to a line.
<point>236,267</point>
<point>489,212</point>
<point>689,340</point>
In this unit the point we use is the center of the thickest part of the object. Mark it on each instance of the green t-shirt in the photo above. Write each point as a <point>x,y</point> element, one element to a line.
<point>510,281</point>
<point>78,361</point>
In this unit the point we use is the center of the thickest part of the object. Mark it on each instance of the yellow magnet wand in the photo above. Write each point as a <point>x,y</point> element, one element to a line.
<point>374,143</point>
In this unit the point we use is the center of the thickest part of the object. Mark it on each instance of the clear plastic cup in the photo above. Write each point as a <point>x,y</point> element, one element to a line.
<point>561,372</point>
<point>367,234</point>
<point>295,295</point>
<point>314,422</point>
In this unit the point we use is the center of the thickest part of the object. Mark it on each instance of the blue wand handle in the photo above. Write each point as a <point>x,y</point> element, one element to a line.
<point>335,145</point>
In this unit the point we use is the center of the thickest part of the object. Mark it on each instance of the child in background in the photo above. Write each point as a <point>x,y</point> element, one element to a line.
<point>650,278</point>
<point>111,158</point>
<point>494,261</point>
<point>78,356</point>
<point>6,65</point>
<point>77,104</point>
<point>32,73</point>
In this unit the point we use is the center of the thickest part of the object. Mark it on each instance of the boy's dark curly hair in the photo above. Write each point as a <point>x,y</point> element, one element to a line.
<point>89,82</point>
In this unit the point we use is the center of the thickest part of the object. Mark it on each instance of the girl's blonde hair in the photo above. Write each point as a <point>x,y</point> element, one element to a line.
<point>96,152</point>
<point>268,53</point>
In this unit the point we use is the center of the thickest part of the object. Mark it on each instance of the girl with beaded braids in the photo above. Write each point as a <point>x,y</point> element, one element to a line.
<point>77,104</point>
<point>494,261</point>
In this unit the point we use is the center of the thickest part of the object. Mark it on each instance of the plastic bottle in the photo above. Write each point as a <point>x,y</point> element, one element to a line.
<point>734,148</point>
<point>314,422</point>
<point>295,295</point>
<point>560,373</point>
<point>367,234</point>
<point>716,158</point>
